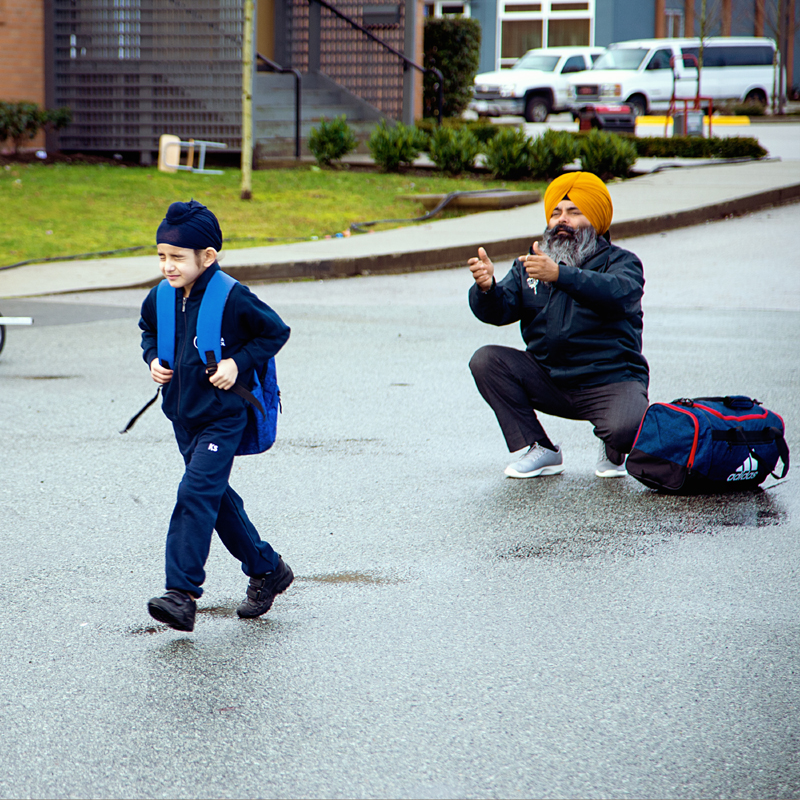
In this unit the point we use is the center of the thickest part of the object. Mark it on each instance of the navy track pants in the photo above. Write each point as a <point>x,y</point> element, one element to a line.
<point>514,384</point>
<point>206,502</point>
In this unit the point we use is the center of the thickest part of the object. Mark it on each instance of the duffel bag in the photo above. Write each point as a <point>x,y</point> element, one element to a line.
<point>708,445</point>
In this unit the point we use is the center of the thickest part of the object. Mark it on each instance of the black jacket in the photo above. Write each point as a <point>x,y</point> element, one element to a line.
<point>251,334</point>
<point>586,328</point>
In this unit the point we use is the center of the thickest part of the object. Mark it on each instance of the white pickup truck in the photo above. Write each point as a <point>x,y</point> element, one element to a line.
<point>536,86</point>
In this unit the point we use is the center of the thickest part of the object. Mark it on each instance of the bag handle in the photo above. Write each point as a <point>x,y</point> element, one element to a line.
<point>780,443</point>
<point>737,402</point>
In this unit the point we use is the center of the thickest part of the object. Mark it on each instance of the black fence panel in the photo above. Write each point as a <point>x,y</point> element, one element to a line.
<point>131,70</point>
<point>348,57</point>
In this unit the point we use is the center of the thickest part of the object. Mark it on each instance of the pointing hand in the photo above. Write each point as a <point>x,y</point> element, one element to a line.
<point>482,270</point>
<point>539,266</point>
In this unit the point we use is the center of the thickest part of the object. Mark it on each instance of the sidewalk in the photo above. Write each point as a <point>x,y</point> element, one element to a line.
<point>660,201</point>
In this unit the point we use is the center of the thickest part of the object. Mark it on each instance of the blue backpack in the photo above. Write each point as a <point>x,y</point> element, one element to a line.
<point>708,445</point>
<point>264,402</point>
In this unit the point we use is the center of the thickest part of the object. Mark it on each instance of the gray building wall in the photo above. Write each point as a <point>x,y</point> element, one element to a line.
<point>619,20</point>
<point>485,11</point>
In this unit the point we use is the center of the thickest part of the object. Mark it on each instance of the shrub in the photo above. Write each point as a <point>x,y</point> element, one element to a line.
<point>452,45</point>
<point>736,147</point>
<point>482,128</point>
<point>331,141</point>
<point>698,147</point>
<point>58,118</point>
<point>400,144</point>
<point>508,154</point>
<point>607,155</point>
<point>550,152</point>
<point>23,120</point>
<point>453,150</point>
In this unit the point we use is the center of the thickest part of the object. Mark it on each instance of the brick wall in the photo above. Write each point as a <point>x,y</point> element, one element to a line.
<point>22,53</point>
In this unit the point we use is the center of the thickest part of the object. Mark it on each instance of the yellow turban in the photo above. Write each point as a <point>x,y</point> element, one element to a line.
<point>588,193</point>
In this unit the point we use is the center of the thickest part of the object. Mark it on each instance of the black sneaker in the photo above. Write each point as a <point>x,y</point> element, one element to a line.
<point>176,609</point>
<point>262,591</point>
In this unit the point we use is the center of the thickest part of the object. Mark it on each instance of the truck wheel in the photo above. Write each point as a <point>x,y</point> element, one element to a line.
<point>638,105</point>
<point>537,109</point>
<point>2,335</point>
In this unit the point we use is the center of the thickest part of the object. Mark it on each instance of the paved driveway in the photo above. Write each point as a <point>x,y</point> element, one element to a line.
<point>451,632</point>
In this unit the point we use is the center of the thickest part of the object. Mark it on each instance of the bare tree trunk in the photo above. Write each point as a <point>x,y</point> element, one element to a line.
<point>758,18</point>
<point>247,102</point>
<point>782,47</point>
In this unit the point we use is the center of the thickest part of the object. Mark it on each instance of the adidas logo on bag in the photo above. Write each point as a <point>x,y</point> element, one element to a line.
<point>747,472</point>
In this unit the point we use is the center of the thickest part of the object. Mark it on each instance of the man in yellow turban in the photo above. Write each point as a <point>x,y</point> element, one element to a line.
<point>577,298</point>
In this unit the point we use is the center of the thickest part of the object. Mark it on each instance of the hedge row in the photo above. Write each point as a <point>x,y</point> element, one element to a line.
<point>510,154</point>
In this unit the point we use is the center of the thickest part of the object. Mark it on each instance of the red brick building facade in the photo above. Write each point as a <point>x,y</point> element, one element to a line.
<point>22,58</point>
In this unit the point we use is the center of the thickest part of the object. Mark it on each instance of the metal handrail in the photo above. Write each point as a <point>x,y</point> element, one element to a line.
<point>284,71</point>
<point>673,108</point>
<point>407,62</point>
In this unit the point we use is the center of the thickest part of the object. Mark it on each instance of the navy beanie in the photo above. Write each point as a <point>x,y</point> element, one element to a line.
<point>190,225</point>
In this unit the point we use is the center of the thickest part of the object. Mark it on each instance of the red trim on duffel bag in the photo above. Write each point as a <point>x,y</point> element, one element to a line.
<point>693,451</point>
<point>722,416</point>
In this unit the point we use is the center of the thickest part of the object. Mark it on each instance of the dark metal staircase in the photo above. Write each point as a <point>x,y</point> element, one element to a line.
<point>274,111</point>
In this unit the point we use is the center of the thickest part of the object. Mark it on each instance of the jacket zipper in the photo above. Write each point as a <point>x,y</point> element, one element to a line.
<point>693,451</point>
<point>180,355</point>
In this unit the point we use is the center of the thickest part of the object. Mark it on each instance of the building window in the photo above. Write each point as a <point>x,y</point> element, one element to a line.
<point>568,33</point>
<point>443,8</point>
<point>524,25</point>
<point>674,26</point>
<point>126,15</point>
<point>519,36</point>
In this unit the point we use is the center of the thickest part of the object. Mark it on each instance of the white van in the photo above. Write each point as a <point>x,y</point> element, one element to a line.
<point>640,73</point>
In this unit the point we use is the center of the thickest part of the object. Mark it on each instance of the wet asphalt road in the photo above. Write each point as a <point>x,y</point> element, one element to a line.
<point>451,632</point>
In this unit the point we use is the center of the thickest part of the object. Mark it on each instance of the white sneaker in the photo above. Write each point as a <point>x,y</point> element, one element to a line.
<point>606,468</point>
<point>537,461</point>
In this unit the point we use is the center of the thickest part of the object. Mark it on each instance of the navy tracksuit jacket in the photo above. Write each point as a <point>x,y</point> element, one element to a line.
<point>208,424</point>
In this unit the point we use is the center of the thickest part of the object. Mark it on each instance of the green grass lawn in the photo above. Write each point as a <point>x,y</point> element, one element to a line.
<point>66,209</point>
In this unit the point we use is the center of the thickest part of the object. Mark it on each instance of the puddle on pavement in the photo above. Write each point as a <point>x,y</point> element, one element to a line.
<point>42,377</point>
<point>217,611</point>
<point>350,446</point>
<point>148,630</point>
<point>358,578</point>
<point>591,522</point>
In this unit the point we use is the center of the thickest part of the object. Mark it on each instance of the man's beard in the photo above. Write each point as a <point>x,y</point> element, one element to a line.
<point>573,249</point>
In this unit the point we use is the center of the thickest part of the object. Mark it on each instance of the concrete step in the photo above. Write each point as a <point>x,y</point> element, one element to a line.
<point>274,98</point>
<point>285,127</point>
<point>274,142</point>
<point>307,113</point>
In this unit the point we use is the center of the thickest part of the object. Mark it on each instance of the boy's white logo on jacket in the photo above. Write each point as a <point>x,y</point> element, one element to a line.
<point>221,341</point>
<point>213,448</point>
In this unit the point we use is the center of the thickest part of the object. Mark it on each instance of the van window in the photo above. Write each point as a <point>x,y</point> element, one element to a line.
<point>732,55</point>
<point>624,58</point>
<point>660,60</point>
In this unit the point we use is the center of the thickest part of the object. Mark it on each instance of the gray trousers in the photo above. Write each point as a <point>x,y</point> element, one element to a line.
<point>514,384</point>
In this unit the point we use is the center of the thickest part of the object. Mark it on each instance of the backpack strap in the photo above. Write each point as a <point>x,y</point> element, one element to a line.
<point>135,417</point>
<point>165,311</point>
<point>209,328</point>
<point>209,319</point>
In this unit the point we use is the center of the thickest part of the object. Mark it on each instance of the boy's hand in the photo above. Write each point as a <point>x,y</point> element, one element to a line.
<point>160,374</point>
<point>226,374</point>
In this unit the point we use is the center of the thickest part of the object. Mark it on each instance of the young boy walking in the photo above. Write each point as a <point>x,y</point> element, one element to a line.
<point>208,419</point>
